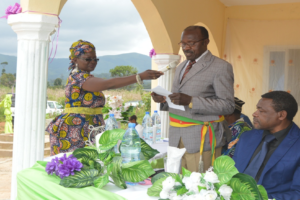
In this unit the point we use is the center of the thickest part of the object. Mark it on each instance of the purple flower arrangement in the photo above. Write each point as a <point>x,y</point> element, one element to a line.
<point>152,53</point>
<point>64,166</point>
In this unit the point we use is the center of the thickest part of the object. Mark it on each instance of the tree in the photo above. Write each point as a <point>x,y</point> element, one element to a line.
<point>3,71</point>
<point>57,82</point>
<point>4,64</point>
<point>7,80</point>
<point>121,71</point>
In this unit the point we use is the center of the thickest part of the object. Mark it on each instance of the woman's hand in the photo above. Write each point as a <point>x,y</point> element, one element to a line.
<point>150,74</point>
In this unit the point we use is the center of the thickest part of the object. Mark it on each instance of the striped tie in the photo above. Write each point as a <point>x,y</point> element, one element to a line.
<point>187,69</point>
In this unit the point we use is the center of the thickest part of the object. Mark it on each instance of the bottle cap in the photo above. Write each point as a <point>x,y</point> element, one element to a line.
<point>112,115</point>
<point>147,113</point>
<point>155,111</point>
<point>131,125</point>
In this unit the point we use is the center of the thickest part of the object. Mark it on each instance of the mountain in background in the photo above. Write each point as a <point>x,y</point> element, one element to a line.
<point>59,67</point>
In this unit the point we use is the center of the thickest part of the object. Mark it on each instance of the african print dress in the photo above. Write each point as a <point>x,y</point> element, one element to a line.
<point>70,131</point>
<point>237,128</point>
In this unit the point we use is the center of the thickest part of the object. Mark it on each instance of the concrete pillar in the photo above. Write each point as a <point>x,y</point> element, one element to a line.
<point>33,32</point>
<point>166,82</point>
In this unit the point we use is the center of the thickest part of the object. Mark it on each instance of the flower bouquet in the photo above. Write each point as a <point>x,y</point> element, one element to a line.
<point>86,167</point>
<point>220,182</point>
<point>116,106</point>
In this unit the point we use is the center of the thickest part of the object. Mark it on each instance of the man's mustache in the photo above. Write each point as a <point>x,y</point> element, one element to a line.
<point>187,51</point>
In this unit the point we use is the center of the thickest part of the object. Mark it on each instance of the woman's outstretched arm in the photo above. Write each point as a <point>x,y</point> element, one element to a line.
<point>95,84</point>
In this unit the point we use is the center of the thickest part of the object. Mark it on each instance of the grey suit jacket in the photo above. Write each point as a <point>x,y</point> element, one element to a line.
<point>210,83</point>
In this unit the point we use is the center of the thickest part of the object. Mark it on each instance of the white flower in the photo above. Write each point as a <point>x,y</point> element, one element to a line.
<point>225,191</point>
<point>168,184</point>
<point>195,177</point>
<point>208,194</point>
<point>164,194</point>
<point>125,108</point>
<point>211,177</point>
<point>192,182</point>
<point>194,188</point>
<point>173,196</point>
<point>193,197</point>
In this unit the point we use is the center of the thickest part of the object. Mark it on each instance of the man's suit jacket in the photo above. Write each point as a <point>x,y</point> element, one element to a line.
<point>281,175</point>
<point>210,83</point>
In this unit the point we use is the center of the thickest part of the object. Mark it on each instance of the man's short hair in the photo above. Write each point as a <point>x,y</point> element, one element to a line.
<point>283,101</point>
<point>203,30</point>
<point>133,117</point>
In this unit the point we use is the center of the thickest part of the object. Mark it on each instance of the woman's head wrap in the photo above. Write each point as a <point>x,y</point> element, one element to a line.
<point>78,48</point>
<point>238,104</point>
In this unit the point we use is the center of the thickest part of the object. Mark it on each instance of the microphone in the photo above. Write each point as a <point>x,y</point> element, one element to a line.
<point>171,65</point>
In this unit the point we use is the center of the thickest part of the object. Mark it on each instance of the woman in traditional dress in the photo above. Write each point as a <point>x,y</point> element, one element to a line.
<point>237,125</point>
<point>84,99</point>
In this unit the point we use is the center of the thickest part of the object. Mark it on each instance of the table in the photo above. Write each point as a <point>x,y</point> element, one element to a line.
<point>35,183</point>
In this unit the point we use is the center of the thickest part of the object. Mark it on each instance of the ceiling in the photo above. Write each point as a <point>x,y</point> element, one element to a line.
<point>255,2</point>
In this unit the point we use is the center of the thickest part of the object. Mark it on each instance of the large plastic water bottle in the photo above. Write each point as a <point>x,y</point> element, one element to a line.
<point>147,129</point>
<point>131,145</point>
<point>111,123</point>
<point>157,123</point>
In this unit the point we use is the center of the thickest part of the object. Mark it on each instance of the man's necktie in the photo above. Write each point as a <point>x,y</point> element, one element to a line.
<point>187,69</point>
<point>256,163</point>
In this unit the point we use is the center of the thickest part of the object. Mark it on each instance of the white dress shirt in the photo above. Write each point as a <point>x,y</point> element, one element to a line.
<point>183,70</point>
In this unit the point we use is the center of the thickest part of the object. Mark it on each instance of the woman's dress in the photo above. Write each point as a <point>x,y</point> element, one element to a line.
<point>70,131</point>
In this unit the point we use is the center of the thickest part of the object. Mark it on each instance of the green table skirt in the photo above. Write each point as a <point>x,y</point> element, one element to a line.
<point>34,184</point>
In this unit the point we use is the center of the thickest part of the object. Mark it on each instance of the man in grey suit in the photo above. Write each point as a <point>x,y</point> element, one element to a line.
<point>203,84</point>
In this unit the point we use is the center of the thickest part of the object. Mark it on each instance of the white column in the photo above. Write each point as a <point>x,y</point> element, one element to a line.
<point>33,31</point>
<point>166,82</point>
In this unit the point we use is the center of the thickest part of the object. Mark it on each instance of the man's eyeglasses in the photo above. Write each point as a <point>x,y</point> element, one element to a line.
<point>90,59</point>
<point>190,44</point>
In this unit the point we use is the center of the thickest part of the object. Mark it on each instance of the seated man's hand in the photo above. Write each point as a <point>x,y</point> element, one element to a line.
<point>180,99</point>
<point>158,98</point>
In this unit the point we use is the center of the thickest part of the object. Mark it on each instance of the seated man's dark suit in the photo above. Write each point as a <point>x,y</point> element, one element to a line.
<point>281,173</point>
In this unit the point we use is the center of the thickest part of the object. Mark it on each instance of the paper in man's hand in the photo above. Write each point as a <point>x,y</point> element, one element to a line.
<point>163,92</point>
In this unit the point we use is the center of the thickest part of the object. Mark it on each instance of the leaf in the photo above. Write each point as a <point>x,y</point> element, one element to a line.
<point>240,190</point>
<point>103,180</point>
<point>110,138</point>
<point>80,179</point>
<point>225,169</point>
<point>147,150</point>
<point>182,191</point>
<point>137,171</point>
<point>178,179</point>
<point>98,167</point>
<point>158,163</point>
<point>84,152</point>
<point>116,173</point>
<point>250,183</point>
<point>186,172</point>
<point>162,175</point>
<point>156,188</point>
<point>263,192</point>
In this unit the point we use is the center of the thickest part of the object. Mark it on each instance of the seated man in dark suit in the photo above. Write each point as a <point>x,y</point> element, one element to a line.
<point>271,152</point>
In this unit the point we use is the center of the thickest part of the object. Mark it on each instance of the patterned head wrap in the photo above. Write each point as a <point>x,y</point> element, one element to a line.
<point>238,104</point>
<point>78,48</point>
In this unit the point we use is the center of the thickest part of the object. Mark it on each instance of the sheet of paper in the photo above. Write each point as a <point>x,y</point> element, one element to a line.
<point>163,92</point>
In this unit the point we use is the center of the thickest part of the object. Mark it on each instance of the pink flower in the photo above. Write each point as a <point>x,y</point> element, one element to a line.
<point>152,53</point>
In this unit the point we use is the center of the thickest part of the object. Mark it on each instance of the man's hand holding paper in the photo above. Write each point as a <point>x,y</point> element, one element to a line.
<point>161,95</point>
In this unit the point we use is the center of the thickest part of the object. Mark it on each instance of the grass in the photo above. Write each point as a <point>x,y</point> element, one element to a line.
<point>59,96</point>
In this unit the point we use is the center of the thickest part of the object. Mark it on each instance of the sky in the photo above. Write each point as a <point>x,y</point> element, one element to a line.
<point>113,26</point>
